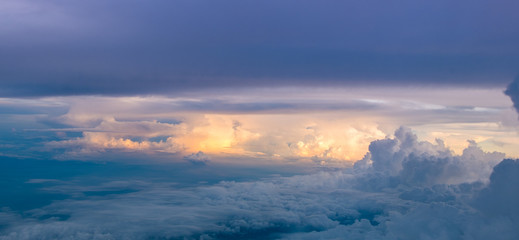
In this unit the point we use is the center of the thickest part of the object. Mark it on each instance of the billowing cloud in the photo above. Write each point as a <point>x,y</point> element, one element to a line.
<point>124,136</point>
<point>499,199</point>
<point>405,160</point>
<point>94,141</point>
<point>406,189</point>
<point>513,92</point>
<point>198,158</point>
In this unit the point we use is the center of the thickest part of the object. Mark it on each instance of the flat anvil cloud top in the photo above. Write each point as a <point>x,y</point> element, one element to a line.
<point>134,47</point>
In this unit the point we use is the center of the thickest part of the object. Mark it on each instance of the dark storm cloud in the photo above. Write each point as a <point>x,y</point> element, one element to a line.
<point>513,92</point>
<point>133,47</point>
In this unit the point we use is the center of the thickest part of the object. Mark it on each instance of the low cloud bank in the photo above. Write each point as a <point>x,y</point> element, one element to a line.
<point>402,189</point>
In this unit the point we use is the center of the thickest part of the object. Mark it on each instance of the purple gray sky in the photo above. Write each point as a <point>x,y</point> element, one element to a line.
<point>132,47</point>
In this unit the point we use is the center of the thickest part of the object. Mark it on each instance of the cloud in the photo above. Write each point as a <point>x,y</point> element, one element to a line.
<point>513,92</point>
<point>326,125</point>
<point>499,199</point>
<point>125,136</point>
<point>407,161</point>
<point>405,189</point>
<point>198,158</point>
<point>279,135</point>
<point>55,48</point>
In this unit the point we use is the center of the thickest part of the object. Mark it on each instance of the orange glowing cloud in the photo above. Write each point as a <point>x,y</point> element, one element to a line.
<point>321,125</point>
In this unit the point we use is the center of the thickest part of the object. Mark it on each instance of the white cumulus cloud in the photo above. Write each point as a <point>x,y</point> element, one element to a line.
<point>403,189</point>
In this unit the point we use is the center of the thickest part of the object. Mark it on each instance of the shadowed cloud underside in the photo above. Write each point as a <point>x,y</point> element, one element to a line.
<point>132,47</point>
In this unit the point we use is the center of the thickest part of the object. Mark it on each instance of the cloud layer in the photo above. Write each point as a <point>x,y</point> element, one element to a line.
<point>314,125</point>
<point>132,47</point>
<point>403,189</point>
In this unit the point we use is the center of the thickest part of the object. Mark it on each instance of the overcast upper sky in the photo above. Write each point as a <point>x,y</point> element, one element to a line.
<point>158,47</point>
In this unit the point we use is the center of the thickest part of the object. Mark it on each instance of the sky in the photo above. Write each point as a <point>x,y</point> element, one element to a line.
<point>259,119</point>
